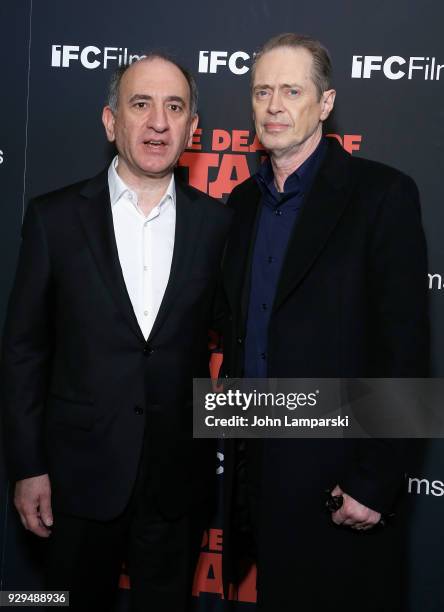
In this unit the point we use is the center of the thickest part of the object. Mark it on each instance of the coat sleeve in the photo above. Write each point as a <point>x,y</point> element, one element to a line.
<point>398,283</point>
<point>26,353</point>
<point>397,277</point>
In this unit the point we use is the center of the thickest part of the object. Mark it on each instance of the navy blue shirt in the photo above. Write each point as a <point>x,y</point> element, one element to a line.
<point>278,214</point>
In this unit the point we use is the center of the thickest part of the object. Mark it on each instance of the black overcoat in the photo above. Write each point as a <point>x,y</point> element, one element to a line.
<point>351,301</point>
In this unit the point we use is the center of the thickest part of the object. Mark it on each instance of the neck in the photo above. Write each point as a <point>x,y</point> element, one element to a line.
<point>149,190</point>
<point>288,162</point>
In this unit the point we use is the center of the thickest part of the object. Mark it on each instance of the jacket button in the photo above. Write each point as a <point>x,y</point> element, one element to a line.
<point>240,340</point>
<point>138,409</point>
<point>148,351</point>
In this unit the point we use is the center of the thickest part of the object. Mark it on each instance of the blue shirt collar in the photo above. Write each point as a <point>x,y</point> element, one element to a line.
<point>299,181</point>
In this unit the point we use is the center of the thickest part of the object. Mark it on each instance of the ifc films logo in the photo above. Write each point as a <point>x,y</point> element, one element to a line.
<point>91,57</point>
<point>396,67</point>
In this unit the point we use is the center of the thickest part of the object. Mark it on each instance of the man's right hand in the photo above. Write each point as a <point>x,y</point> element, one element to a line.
<point>32,498</point>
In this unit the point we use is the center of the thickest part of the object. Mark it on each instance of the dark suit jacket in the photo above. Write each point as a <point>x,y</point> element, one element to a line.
<point>79,382</point>
<point>351,302</point>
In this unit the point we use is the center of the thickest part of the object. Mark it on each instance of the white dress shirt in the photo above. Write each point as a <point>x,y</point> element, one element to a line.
<point>145,246</point>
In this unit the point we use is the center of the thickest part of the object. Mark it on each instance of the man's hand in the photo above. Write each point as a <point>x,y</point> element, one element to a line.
<point>353,514</point>
<point>32,498</point>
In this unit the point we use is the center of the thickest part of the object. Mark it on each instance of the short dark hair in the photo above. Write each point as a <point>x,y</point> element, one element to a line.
<point>322,67</point>
<point>116,78</point>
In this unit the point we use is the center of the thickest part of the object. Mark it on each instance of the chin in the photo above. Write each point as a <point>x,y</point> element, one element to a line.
<point>158,172</point>
<point>156,166</point>
<point>277,146</point>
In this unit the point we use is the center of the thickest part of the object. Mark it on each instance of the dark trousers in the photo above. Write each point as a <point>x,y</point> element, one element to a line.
<point>85,556</point>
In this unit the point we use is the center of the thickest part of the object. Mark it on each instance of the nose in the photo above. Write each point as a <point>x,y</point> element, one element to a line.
<point>275,102</point>
<point>157,118</point>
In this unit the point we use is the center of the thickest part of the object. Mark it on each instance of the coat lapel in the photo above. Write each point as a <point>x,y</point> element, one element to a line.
<point>97,222</point>
<point>189,218</point>
<point>239,251</point>
<point>325,204</point>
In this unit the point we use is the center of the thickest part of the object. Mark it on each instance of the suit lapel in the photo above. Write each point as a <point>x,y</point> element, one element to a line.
<point>240,248</point>
<point>321,212</point>
<point>97,222</point>
<point>189,218</point>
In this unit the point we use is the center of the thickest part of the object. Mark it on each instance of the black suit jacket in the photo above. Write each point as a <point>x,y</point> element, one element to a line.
<point>79,382</point>
<point>351,302</point>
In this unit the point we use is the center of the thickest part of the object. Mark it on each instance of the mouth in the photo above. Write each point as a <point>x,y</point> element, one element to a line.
<point>154,144</point>
<point>275,127</point>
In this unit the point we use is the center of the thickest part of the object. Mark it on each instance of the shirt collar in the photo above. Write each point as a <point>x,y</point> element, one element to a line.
<point>299,181</point>
<point>117,187</point>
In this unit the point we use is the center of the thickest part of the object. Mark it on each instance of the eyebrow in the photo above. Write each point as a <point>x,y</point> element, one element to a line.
<point>265,86</point>
<point>147,97</point>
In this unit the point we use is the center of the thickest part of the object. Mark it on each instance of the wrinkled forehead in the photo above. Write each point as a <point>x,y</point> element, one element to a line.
<point>154,77</point>
<point>284,65</point>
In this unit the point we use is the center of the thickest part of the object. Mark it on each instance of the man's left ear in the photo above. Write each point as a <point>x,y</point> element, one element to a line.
<point>327,103</point>
<point>193,126</point>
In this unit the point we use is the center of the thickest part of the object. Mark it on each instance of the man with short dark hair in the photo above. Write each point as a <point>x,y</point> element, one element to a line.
<point>107,325</point>
<point>324,276</point>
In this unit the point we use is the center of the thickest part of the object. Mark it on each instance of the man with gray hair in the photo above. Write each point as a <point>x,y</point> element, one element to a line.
<point>107,325</point>
<point>324,276</point>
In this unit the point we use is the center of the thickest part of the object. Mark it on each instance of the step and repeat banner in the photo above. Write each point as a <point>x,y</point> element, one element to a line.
<point>388,60</point>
